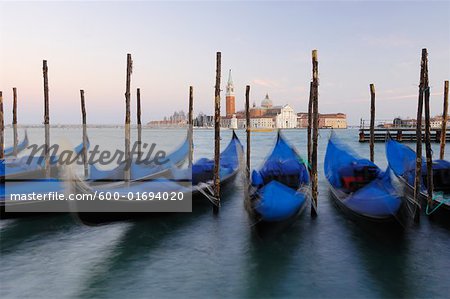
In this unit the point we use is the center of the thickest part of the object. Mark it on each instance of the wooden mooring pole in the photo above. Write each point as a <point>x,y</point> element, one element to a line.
<point>429,156</point>
<point>83,118</point>
<point>46,119</point>
<point>417,181</point>
<point>191,125</point>
<point>217,134</point>
<point>2,128</point>
<point>372,122</point>
<point>315,132</point>
<point>247,126</point>
<point>128,119</point>
<point>444,121</point>
<point>138,120</point>
<point>14,122</point>
<point>310,118</point>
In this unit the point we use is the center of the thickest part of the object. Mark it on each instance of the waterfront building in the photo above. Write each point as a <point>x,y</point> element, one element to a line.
<point>263,122</point>
<point>203,120</point>
<point>302,120</point>
<point>286,118</point>
<point>326,121</point>
<point>333,121</point>
<point>435,122</point>
<point>266,116</point>
<point>176,120</point>
<point>233,122</point>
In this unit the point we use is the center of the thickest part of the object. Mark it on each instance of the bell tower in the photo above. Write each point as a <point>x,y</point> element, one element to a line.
<point>230,99</point>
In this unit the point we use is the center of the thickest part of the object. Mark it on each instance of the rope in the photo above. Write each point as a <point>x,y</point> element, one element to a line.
<point>444,201</point>
<point>306,190</point>
<point>210,197</point>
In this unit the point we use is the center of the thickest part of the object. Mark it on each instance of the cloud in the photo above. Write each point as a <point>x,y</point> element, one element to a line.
<point>266,83</point>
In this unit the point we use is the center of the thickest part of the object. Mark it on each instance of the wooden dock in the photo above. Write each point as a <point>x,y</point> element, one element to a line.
<point>400,134</point>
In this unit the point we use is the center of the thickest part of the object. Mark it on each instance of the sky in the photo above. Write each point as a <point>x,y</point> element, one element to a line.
<point>266,44</point>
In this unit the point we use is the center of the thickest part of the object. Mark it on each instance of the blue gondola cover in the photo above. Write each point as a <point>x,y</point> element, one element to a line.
<point>279,201</point>
<point>277,196</point>
<point>376,197</point>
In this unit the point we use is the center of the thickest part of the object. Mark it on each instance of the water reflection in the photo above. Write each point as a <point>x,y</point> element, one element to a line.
<point>269,260</point>
<point>21,231</point>
<point>136,247</point>
<point>384,256</point>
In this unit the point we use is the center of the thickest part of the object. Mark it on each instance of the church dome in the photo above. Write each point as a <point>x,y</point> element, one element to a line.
<point>266,103</point>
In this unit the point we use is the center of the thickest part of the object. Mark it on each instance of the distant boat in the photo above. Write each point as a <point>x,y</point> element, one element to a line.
<point>359,187</point>
<point>279,189</point>
<point>402,161</point>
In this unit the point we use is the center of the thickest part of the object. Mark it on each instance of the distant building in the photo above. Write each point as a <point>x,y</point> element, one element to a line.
<point>263,122</point>
<point>179,120</point>
<point>265,116</point>
<point>176,120</point>
<point>333,121</point>
<point>203,120</point>
<point>230,99</point>
<point>166,124</point>
<point>268,116</point>
<point>302,120</point>
<point>404,123</point>
<point>233,122</point>
<point>436,122</point>
<point>265,108</point>
<point>326,121</point>
<point>225,122</point>
<point>286,118</point>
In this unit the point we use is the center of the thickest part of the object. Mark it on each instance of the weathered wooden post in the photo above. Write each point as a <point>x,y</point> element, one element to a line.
<point>310,117</point>
<point>217,134</point>
<point>372,122</point>
<point>191,125</point>
<point>83,115</point>
<point>417,181</point>
<point>2,127</point>
<point>139,123</point>
<point>427,135</point>
<point>127,119</point>
<point>14,122</point>
<point>46,119</point>
<point>315,133</point>
<point>444,121</point>
<point>247,126</point>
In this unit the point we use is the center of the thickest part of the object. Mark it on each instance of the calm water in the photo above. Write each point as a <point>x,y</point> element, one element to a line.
<point>202,255</point>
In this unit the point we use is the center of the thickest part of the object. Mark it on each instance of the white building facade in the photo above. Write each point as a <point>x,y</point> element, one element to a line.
<point>233,122</point>
<point>286,119</point>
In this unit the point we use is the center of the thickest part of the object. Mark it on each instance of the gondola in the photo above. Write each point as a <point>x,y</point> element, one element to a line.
<point>402,161</point>
<point>26,176</point>
<point>279,189</point>
<point>196,181</point>
<point>140,170</point>
<point>9,152</point>
<point>31,168</point>
<point>359,187</point>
